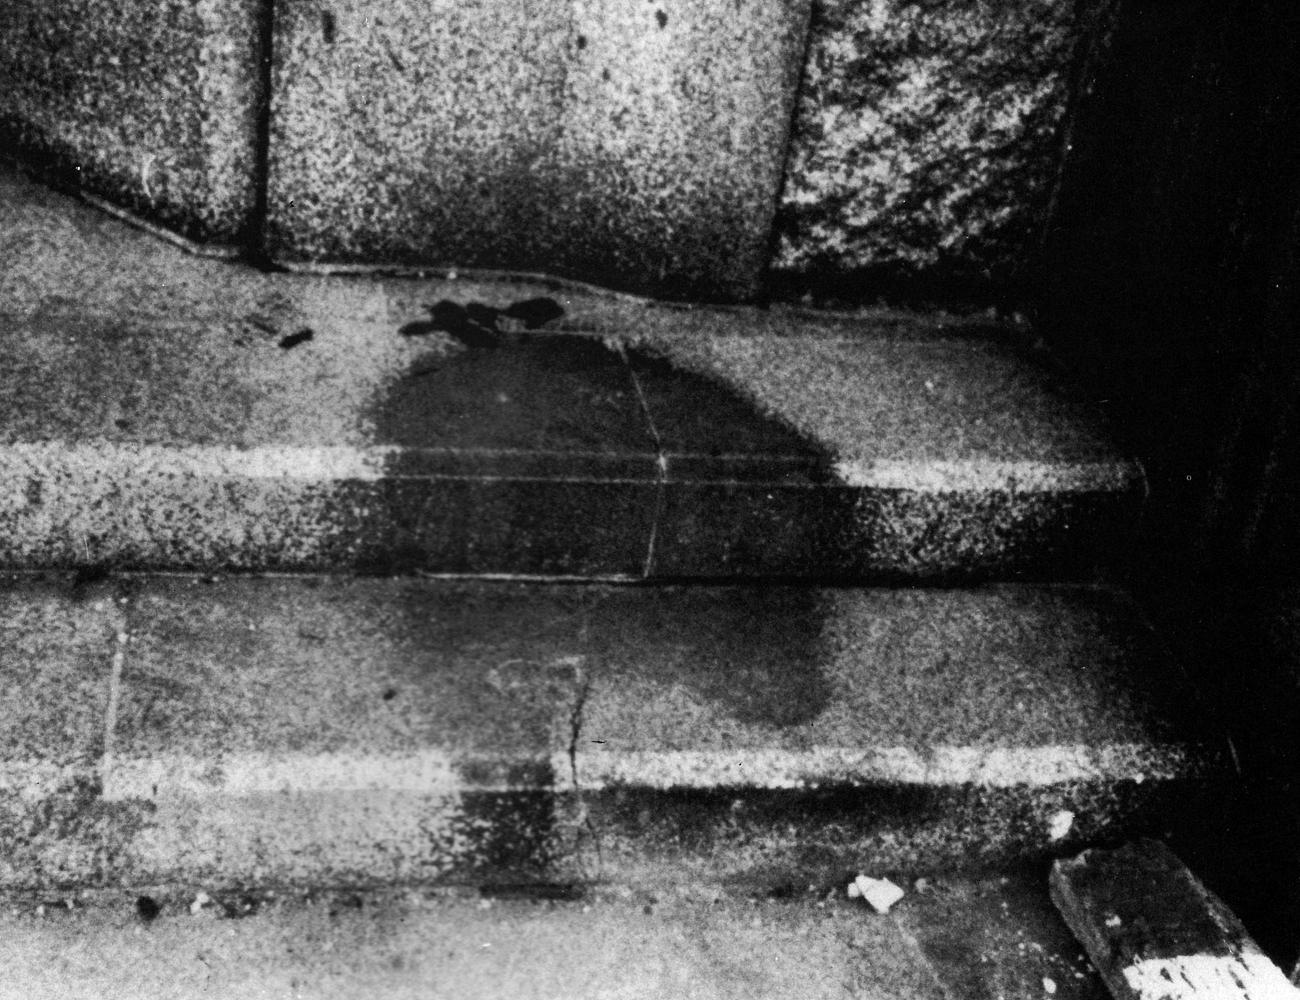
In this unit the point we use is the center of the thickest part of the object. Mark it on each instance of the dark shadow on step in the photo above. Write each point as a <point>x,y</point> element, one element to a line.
<point>538,452</point>
<point>756,653</point>
<point>557,454</point>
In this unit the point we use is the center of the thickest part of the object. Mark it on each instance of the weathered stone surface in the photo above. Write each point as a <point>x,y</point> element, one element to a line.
<point>149,105</point>
<point>926,139</point>
<point>314,729</point>
<point>208,416</point>
<point>639,145</point>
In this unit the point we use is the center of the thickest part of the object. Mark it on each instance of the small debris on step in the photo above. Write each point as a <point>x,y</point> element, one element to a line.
<point>1058,827</point>
<point>294,339</point>
<point>1049,985</point>
<point>147,908</point>
<point>880,893</point>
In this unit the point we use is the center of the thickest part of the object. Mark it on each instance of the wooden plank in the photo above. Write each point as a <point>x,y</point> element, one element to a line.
<point>1154,932</point>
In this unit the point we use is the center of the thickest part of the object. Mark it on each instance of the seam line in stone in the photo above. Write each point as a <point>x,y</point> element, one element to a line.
<point>661,464</point>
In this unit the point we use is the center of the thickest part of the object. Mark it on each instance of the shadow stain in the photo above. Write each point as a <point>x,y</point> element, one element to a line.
<point>561,454</point>
<point>755,652</point>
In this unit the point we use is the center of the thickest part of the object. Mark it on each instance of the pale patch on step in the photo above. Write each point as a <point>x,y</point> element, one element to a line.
<point>1248,976</point>
<point>46,459</point>
<point>990,767</point>
<point>439,772</point>
<point>972,475</point>
<point>426,772</point>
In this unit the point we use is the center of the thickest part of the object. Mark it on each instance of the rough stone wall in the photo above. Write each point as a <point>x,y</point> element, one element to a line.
<point>638,144</point>
<point>926,140</point>
<point>150,104</point>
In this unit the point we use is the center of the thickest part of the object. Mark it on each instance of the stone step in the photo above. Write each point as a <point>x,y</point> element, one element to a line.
<point>163,412</point>
<point>323,731</point>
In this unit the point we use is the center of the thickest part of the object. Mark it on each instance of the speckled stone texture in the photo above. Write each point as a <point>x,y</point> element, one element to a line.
<point>149,104</point>
<point>638,144</point>
<point>926,141</point>
<point>210,416</point>
<point>308,730</point>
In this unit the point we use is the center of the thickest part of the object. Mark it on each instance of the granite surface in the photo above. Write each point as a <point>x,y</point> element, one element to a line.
<point>151,106</point>
<point>927,140</point>
<point>636,145</point>
<point>216,416</point>
<point>309,730</point>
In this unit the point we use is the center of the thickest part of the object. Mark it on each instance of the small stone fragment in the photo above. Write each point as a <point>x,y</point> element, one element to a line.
<point>1058,827</point>
<point>294,339</point>
<point>880,893</point>
<point>147,908</point>
<point>1049,985</point>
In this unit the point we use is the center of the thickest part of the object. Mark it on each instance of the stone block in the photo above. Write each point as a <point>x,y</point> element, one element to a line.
<point>927,140</point>
<point>635,145</point>
<point>151,106</point>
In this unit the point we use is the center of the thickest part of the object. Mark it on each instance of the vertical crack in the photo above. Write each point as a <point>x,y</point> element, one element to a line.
<point>661,462</point>
<point>583,814</point>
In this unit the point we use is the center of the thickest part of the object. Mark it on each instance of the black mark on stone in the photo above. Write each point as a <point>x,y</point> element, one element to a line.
<point>662,18</point>
<point>87,579</point>
<point>147,908</point>
<point>484,316</point>
<point>419,328</point>
<point>582,42</point>
<point>567,892</point>
<point>263,324</point>
<point>390,694</point>
<point>329,27</point>
<point>535,312</point>
<point>349,902</point>
<point>294,339</point>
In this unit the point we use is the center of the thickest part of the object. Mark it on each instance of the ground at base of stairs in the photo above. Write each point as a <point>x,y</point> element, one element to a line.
<point>979,940</point>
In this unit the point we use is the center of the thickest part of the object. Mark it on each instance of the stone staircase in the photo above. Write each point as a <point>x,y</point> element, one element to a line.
<point>330,580</point>
<point>350,538</point>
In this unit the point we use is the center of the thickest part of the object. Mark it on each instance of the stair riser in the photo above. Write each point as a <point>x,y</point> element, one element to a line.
<point>753,838</point>
<point>285,729</point>
<point>81,508</point>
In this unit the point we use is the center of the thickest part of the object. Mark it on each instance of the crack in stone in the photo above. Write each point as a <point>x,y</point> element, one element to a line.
<point>583,816</point>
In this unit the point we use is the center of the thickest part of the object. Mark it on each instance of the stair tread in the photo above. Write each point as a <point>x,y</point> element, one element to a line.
<point>687,442</point>
<point>122,316</point>
<point>321,666</point>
